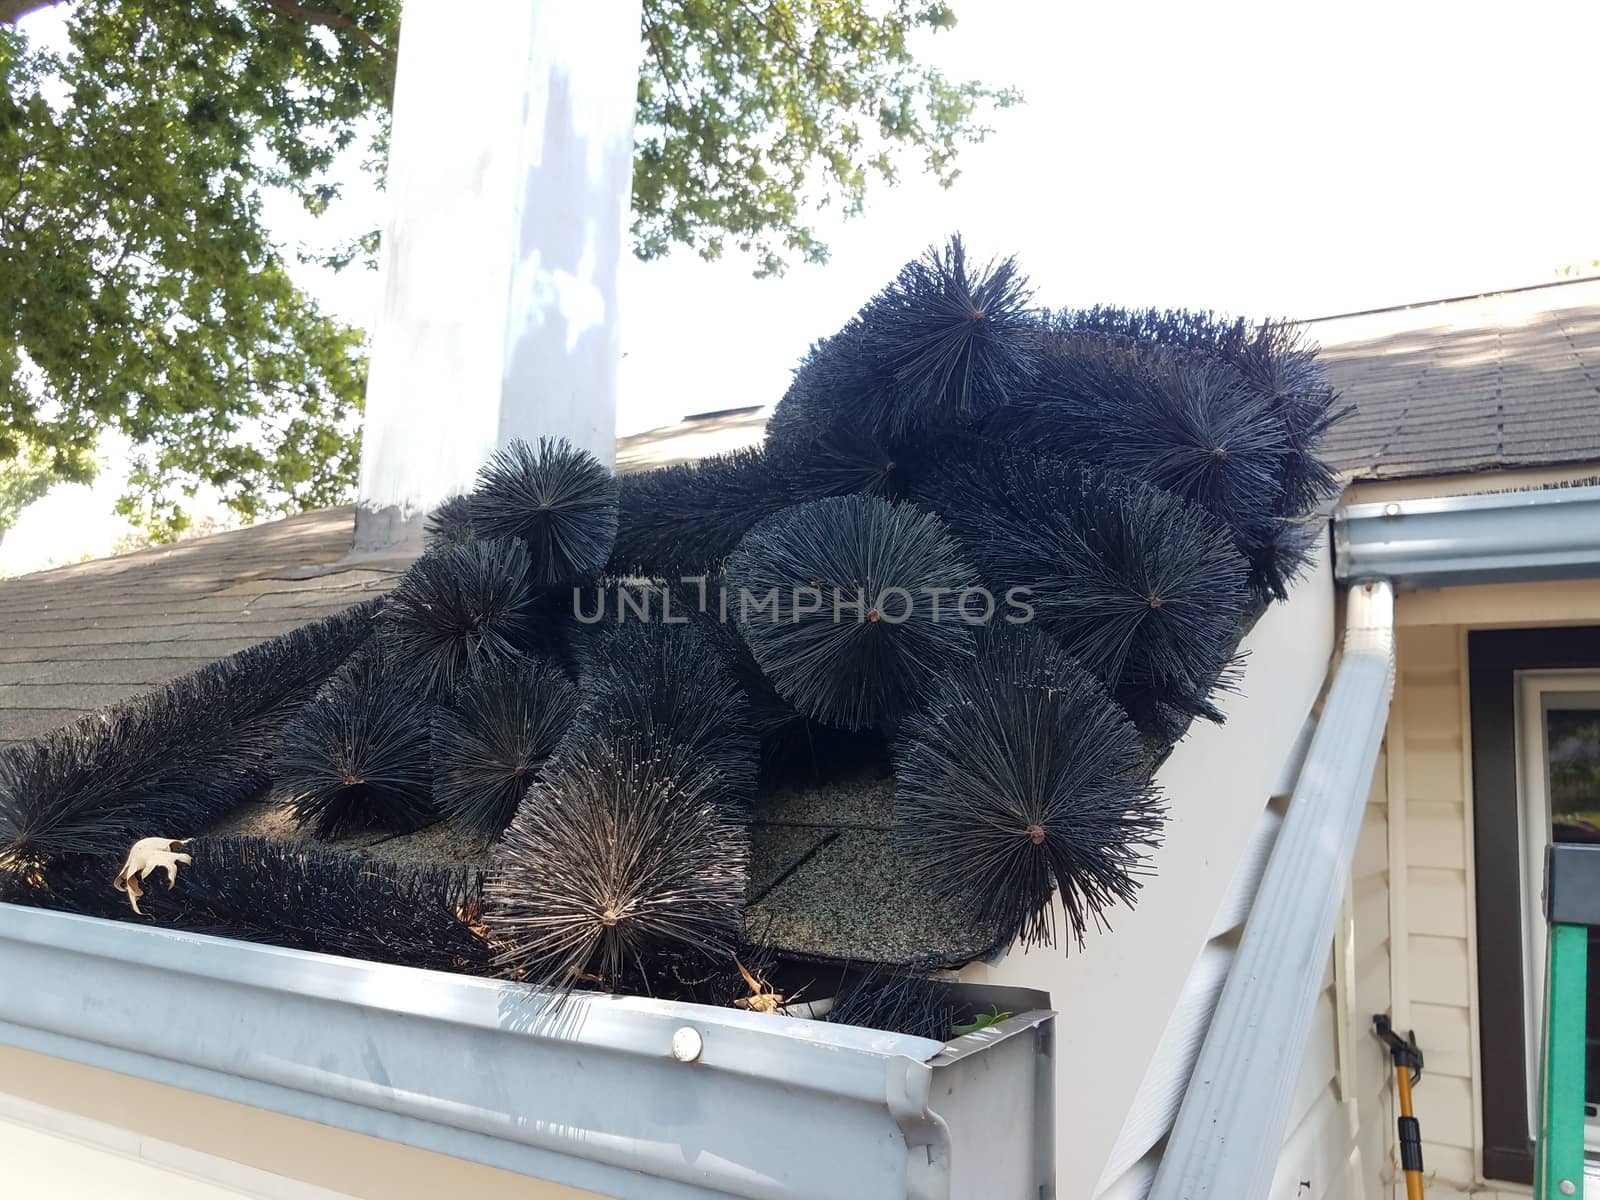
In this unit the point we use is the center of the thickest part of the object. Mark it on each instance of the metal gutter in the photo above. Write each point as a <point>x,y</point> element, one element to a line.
<point>1506,537</point>
<point>476,1069</point>
<point>1230,1128</point>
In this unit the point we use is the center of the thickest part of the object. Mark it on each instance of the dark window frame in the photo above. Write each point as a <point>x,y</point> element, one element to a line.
<point>1494,656</point>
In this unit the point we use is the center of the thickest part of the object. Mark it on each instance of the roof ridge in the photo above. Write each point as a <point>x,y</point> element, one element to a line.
<point>1462,299</point>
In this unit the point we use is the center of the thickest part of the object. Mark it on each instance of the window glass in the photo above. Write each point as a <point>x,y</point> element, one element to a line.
<point>1573,744</point>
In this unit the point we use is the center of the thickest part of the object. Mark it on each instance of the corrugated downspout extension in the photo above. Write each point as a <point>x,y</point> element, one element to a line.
<point>1230,1127</point>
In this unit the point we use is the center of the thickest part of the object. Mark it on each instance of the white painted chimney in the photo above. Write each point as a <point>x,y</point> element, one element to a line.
<point>510,169</point>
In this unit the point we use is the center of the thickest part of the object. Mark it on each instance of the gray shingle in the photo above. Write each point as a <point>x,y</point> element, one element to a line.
<point>77,638</point>
<point>1491,382</point>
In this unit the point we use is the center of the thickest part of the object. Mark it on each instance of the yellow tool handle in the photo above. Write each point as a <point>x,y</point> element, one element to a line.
<point>1410,1138</point>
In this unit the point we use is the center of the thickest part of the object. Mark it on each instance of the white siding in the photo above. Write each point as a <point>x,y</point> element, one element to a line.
<point>1432,972</point>
<point>1320,1157</point>
<point>1362,964</point>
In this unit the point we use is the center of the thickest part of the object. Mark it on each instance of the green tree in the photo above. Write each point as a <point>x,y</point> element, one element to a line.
<point>143,292</point>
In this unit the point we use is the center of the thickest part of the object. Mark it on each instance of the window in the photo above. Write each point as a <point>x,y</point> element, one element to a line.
<point>1548,716</point>
<point>1558,756</point>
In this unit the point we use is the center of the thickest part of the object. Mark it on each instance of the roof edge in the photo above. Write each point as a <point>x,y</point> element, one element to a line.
<point>1461,299</point>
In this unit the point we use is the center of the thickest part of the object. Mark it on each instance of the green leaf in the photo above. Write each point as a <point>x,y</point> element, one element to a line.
<point>980,1021</point>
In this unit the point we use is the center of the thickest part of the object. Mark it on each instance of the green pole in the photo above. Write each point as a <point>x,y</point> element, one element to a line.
<point>1560,1172</point>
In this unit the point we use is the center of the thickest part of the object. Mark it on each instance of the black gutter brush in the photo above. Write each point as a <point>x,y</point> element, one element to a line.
<point>1278,553</point>
<point>1147,591</point>
<point>836,599</point>
<point>687,518</point>
<point>945,343</point>
<point>302,897</point>
<point>558,499</point>
<point>457,607</point>
<point>617,856</point>
<point>957,339</point>
<point>905,1004</point>
<point>665,687</point>
<point>356,756</point>
<point>450,523</point>
<point>491,738</point>
<point>1179,419</point>
<point>170,761</point>
<point>1022,780</point>
<point>1275,359</point>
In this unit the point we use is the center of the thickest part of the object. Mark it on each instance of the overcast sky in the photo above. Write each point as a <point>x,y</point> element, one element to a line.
<point>1282,159</point>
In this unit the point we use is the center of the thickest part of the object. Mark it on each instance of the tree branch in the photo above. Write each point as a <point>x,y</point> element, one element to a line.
<point>12,10</point>
<point>311,16</point>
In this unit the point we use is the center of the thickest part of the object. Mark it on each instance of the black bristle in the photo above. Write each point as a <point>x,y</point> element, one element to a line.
<point>1274,359</point>
<point>1283,368</point>
<point>616,855</point>
<point>356,756</point>
<point>1181,420</point>
<point>1220,414</point>
<point>685,519</point>
<point>792,745</point>
<point>456,607</point>
<point>1163,713</point>
<point>1278,554</point>
<point>1022,780</point>
<point>1143,588</point>
<point>168,762</point>
<point>959,341</point>
<point>558,499</point>
<point>843,460</point>
<point>836,601</point>
<point>290,894</point>
<point>451,522</point>
<point>1208,332</point>
<point>837,384</point>
<point>548,628</point>
<point>905,1004</point>
<point>665,686</point>
<point>942,345</point>
<point>491,738</point>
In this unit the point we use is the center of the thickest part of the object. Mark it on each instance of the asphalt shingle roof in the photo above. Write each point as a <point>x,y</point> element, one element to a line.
<point>1491,382</point>
<point>80,637</point>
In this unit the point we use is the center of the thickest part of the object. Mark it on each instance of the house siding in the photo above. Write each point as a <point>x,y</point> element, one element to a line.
<point>1362,962</point>
<point>1412,899</point>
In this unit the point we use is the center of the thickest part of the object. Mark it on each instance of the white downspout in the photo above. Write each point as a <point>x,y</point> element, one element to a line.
<point>1230,1128</point>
